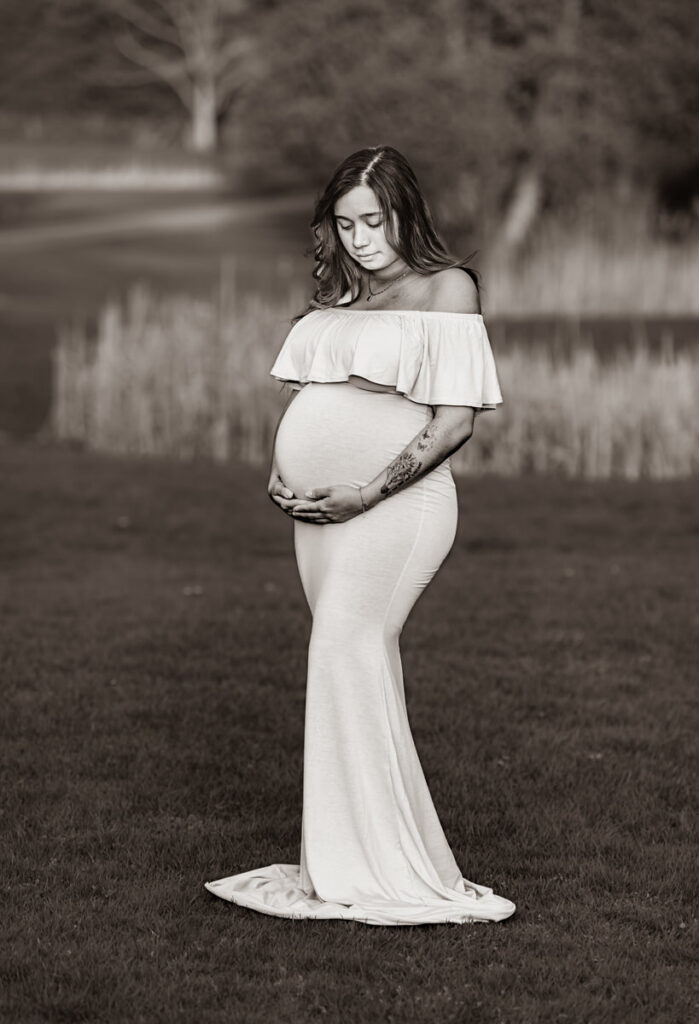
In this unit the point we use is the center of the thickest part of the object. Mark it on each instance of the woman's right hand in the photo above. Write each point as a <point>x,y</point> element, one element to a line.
<point>279,493</point>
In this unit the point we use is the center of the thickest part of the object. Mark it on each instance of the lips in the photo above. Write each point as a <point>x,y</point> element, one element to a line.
<point>364,255</point>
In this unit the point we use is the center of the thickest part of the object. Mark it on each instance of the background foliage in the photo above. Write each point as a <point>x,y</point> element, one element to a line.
<point>578,98</point>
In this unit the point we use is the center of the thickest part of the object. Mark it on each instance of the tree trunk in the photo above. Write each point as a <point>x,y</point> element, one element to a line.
<point>204,123</point>
<point>522,210</point>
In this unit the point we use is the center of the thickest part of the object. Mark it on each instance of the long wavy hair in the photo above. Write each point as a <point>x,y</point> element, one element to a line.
<point>392,179</point>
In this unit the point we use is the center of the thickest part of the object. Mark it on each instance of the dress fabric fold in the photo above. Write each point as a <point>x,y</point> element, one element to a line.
<point>372,847</point>
<point>429,357</point>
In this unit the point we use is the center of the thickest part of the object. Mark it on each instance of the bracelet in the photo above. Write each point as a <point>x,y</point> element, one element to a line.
<point>365,507</point>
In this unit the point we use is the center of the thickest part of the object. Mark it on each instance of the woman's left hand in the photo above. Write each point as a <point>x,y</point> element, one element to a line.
<point>335,504</point>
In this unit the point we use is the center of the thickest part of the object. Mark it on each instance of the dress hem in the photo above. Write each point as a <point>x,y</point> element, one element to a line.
<point>285,898</point>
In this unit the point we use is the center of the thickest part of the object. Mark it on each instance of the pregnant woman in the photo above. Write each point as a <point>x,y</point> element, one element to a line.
<point>390,364</point>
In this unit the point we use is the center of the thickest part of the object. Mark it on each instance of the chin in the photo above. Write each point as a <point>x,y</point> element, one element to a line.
<point>379,264</point>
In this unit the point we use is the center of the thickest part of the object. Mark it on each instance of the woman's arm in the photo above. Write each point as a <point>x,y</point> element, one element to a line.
<point>450,427</point>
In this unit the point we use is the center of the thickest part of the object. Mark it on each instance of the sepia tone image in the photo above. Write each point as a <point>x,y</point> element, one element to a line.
<point>349,476</point>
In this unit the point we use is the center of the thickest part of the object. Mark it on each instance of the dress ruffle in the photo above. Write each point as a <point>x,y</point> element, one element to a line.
<point>429,357</point>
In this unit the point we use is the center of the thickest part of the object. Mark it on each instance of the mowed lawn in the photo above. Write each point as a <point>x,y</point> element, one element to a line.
<point>153,657</point>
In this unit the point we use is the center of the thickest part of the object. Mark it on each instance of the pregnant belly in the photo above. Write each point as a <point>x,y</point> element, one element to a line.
<point>342,434</point>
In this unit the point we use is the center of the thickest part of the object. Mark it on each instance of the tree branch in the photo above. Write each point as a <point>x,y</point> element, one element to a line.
<point>172,72</point>
<point>233,79</point>
<point>236,49</point>
<point>144,21</point>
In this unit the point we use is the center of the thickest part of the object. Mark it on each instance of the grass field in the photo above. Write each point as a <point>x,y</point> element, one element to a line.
<point>153,655</point>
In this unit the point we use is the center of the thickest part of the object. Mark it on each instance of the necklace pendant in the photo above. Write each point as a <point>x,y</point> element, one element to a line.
<point>369,297</point>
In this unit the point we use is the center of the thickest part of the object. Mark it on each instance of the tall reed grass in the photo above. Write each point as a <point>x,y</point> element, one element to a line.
<point>628,272</point>
<point>190,378</point>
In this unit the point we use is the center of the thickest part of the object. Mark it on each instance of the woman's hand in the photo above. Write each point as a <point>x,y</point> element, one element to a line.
<point>335,504</point>
<point>279,492</point>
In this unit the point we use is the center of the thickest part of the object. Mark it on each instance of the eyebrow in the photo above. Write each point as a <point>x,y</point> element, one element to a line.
<point>343,216</point>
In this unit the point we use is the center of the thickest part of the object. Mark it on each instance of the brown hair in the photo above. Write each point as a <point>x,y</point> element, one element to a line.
<point>389,175</point>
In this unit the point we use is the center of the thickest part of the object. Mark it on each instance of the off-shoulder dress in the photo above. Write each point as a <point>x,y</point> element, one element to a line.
<point>372,847</point>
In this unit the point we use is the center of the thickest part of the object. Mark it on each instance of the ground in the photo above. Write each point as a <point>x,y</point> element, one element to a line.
<point>152,656</point>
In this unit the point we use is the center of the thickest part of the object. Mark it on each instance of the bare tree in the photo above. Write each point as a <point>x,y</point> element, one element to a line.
<point>552,77</point>
<point>203,49</point>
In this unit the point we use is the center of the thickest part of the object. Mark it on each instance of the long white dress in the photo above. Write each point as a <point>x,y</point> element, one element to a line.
<point>372,847</point>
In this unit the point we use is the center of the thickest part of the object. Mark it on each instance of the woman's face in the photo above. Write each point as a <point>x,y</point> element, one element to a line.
<point>360,226</point>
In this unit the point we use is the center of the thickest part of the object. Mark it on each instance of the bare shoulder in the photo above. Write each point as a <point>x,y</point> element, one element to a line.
<point>454,291</point>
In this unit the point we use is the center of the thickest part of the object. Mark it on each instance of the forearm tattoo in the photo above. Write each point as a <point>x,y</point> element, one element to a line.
<point>426,438</point>
<point>406,466</point>
<point>403,468</point>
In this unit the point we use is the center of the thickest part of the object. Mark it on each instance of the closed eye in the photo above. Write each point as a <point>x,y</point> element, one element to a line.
<point>347,227</point>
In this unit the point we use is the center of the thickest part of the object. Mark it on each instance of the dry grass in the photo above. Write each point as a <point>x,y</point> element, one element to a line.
<point>184,377</point>
<point>585,275</point>
<point>606,261</point>
<point>630,417</point>
<point>174,376</point>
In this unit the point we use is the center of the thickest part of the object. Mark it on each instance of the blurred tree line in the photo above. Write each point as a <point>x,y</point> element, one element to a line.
<point>521,106</point>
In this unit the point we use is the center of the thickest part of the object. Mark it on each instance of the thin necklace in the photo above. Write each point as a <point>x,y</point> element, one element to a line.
<point>372,295</point>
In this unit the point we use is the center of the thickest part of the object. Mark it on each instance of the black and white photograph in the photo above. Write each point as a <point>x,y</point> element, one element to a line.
<point>349,511</point>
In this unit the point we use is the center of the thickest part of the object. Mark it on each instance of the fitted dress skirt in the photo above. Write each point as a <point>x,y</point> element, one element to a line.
<point>372,847</point>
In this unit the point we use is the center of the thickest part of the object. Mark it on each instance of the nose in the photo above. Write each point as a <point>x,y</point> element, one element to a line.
<point>359,239</point>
